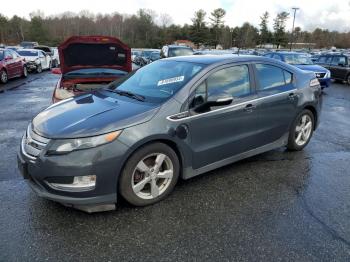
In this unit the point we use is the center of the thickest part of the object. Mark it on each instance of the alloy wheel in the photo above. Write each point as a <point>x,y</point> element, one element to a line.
<point>152,176</point>
<point>3,77</point>
<point>303,130</point>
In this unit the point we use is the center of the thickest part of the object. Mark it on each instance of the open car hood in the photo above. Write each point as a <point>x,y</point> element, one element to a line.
<point>80,52</point>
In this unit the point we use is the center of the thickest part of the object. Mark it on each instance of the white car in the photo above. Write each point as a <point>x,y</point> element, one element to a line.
<point>36,60</point>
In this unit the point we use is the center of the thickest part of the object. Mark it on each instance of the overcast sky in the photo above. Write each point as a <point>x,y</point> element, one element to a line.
<point>329,14</point>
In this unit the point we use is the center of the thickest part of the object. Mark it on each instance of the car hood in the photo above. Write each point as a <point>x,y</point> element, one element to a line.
<point>79,52</point>
<point>30,58</point>
<point>91,115</point>
<point>313,68</point>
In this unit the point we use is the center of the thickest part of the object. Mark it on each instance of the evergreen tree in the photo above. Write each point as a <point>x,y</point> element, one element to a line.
<point>264,31</point>
<point>279,26</point>
<point>198,29</point>
<point>217,23</point>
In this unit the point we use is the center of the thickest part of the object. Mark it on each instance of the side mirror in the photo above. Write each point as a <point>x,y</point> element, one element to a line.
<point>7,58</point>
<point>221,99</point>
<point>341,64</point>
<point>56,71</point>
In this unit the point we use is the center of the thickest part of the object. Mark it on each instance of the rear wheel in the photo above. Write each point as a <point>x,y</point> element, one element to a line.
<point>348,79</point>
<point>3,76</point>
<point>301,130</point>
<point>149,175</point>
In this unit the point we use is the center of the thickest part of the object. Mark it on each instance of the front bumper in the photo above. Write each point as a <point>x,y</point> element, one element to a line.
<point>31,66</point>
<point>103,161</point>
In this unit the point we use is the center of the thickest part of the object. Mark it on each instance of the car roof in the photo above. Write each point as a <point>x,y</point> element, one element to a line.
<point>286,53</point>
<point>179,46</point>
<point>212,59</point>
<point>231,58</point>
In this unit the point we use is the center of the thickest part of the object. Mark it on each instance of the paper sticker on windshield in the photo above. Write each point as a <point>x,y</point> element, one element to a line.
<point>171,80</point>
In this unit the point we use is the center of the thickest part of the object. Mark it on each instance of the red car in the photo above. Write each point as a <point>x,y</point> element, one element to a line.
<point>88,63</point>
<point>11,65</point>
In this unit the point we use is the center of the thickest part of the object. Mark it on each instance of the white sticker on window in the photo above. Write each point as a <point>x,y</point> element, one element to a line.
<point>171,80</point>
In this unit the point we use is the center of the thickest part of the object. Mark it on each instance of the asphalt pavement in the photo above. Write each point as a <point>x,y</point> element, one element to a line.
<point>277,206</point>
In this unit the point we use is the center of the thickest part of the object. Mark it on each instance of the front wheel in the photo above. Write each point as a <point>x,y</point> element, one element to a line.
<point>348,79</point>
<point>149,175</point>
<point>301,131</point>
<point>39,69</point>
<point>3,77</point>
<point>25,72</point>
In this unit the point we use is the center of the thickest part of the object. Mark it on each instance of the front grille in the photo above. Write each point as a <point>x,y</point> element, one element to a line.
<point>32,144</point>
<point>320,75</point>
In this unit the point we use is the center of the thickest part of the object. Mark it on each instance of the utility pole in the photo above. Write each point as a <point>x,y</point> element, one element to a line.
<point>292,34</point>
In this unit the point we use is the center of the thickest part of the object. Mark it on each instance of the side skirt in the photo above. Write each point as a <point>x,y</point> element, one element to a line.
<point>190,172</point>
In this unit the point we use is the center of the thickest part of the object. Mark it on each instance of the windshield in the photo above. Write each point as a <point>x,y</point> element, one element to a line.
<point>158,81</point>
<point>297,59</point>
<point>180,51</point>
<point>1,55</point>
<point>92,72</point>
<point>27,53</point>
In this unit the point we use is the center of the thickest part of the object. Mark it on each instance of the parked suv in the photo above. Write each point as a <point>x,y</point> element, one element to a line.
<point>303,62</point>
<point>175,50</point>
<point>339,65</point>
<point>11,65</point>
<point>181,116</point>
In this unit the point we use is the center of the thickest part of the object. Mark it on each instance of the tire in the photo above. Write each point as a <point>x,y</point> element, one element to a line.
<point>3,77</point>
<point>348,79</point>
<point>301,131</point>
<point>25,72</point>
<point>142,181</point>
<point>39,69</point>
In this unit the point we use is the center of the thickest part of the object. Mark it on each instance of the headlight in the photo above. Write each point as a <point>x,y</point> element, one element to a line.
<point>328,74</point>
<point>65,146</point>
<point>61,93</point>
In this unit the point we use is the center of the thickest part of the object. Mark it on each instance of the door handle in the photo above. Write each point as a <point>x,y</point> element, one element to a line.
<point>249,108</point>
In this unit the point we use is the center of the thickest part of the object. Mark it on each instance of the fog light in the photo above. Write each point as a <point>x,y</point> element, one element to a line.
<point>80,183</point>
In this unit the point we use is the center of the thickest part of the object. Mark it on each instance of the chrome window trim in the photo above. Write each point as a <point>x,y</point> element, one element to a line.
<point>225,108</point>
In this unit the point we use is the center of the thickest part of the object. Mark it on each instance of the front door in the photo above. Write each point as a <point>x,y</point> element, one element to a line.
<point>220,132</point>
<point>10,64</point>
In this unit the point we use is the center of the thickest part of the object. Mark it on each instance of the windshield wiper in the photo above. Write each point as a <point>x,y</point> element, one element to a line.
<point>127,93</point>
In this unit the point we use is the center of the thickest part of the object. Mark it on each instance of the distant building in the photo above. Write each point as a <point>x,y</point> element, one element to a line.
<point>185,43</point>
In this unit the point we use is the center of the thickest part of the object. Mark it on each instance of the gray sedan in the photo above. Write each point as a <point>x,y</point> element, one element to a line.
<point>176,117</point>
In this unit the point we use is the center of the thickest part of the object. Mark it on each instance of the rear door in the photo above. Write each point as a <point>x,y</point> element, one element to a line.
<point>278,101</point>
<point>222,132</point>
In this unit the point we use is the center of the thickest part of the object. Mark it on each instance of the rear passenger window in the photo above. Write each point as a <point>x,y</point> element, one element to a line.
<point>272,76</point>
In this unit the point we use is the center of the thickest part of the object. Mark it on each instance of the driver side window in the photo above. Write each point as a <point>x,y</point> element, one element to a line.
<point>232,81</point>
